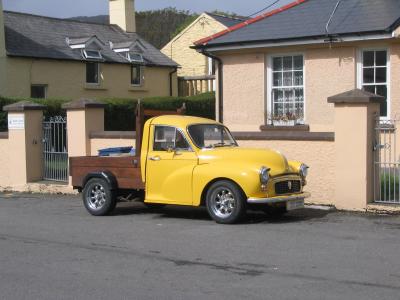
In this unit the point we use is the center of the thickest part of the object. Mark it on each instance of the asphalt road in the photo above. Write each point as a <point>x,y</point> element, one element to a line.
<point>50,248</point>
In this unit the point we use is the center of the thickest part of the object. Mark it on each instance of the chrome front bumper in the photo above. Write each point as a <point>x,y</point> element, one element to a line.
<point>278,199</point>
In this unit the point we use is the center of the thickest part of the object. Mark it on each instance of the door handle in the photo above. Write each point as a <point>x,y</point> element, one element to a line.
<point>154,158</point>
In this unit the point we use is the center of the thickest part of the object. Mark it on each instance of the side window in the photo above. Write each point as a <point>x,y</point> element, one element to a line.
<point>166,137</point>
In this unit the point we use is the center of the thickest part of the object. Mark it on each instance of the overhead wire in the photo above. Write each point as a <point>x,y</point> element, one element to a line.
<point>264,9</point>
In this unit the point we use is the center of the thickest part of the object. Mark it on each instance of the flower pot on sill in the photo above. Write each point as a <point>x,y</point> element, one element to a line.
<point>283,123</point>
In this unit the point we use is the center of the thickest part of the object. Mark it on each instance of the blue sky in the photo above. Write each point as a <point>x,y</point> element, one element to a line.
<point>71,8</point>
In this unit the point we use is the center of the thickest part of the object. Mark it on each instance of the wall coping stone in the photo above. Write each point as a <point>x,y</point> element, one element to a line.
<point>241,136</point>
<point>113,135</point>
<point>83,103</point>
<point>23,106</point>
<point>356,96</point>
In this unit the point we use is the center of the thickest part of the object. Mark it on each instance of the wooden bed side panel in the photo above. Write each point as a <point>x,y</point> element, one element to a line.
<point>125,169</point>
<point>106,161</point>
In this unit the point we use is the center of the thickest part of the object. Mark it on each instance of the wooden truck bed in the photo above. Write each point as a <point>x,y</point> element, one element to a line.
<point>126,170</point>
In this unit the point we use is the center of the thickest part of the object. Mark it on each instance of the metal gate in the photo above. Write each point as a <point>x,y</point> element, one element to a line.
<point>55,153</point>
<point>386,163</point>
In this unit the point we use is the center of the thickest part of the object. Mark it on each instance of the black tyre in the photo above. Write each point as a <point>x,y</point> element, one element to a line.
<point>226,203</point>
<point>98,198</point>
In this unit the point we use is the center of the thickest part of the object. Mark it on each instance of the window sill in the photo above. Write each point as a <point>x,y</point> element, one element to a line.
<point>133,88</point>
<point>285,128</point>
<point>89,86</point>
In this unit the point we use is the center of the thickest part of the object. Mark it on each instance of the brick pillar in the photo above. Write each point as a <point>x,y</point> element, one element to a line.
<point>83,117</point>
<point>355,115</point>
<point>25,142</point>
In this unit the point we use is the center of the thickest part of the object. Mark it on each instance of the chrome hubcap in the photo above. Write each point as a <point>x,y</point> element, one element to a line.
<point>223,204</point>
<point>96,197</point>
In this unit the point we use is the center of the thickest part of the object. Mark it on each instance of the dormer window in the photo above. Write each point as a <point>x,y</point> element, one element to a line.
<point>135,57</point>
<point>92,54</point>
<point>132,51</point>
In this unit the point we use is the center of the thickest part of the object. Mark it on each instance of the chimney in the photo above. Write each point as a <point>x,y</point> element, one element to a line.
<point>122,13</point>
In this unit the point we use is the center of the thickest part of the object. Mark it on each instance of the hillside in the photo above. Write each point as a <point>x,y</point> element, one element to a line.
<point>157,27</point>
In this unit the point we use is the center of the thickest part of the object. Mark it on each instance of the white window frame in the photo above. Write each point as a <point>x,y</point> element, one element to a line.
<point>269,84</point>
<point>360,83</point>
<point>129,57</point>
<point>141,75</point>
<point>125,53</point>
<point>91,57</point>
<point>98,73</point>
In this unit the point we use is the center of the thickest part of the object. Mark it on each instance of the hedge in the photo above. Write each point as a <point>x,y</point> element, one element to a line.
<point>120,113</point>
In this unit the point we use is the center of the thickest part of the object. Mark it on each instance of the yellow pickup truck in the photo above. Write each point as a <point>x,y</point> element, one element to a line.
<point>194,162</point>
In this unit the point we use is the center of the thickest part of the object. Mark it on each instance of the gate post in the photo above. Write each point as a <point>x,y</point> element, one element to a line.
<point>25,142</point>
<point>83,117</point>
<point>355,115</point>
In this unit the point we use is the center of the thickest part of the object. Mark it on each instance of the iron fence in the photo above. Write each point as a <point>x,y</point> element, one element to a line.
<point>386,162</point>
<point>55,153</point>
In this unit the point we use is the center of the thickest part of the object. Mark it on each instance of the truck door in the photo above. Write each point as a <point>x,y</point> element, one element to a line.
<point>169,167</point>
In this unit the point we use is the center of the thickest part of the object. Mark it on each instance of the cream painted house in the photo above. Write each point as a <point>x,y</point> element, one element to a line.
<point>44,57</point>
<point>179,48</point>
<point>280,68</point>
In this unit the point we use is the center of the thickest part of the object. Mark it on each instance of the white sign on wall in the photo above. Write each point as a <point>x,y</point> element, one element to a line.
<point>16,122</point>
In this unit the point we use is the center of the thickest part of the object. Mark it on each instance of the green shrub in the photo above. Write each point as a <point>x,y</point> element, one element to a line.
<point>53,108</point>
<point>120,113</point>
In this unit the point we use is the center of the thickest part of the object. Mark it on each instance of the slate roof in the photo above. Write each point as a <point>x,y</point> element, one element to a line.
<point>44,37</point>
<point>308,18</point>
<point>225,20</point>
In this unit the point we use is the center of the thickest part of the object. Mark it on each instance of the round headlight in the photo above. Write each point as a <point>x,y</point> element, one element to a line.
<point>264,175</point>
<point>304,170</point>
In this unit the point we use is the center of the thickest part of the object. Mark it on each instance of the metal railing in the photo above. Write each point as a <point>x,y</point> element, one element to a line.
<point>55,153</point>
<point>386,162</point>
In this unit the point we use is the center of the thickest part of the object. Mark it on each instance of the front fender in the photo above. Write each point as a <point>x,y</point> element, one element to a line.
<point>247,177</point>
<point>295,166</point>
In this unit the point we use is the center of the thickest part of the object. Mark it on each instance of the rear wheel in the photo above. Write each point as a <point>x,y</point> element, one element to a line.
<point>98,198</point>
<point>225,202</point>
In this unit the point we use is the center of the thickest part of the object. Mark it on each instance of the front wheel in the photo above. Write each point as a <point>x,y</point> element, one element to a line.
<point>226,203</point>
<point>98,198</point>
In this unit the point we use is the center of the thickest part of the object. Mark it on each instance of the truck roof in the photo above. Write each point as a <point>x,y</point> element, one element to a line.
<point>180,121</point>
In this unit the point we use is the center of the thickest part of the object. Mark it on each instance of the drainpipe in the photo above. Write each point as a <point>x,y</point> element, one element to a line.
<point>220,84</point>
<point>171,88</point>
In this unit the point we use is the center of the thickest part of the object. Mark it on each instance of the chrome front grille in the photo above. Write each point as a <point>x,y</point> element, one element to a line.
<point>288,187</point>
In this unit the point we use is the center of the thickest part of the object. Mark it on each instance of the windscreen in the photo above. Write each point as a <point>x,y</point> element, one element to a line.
<point>211,136</point>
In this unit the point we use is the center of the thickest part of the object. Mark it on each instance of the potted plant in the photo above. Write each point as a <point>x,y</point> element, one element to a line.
<point>287,119</point>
